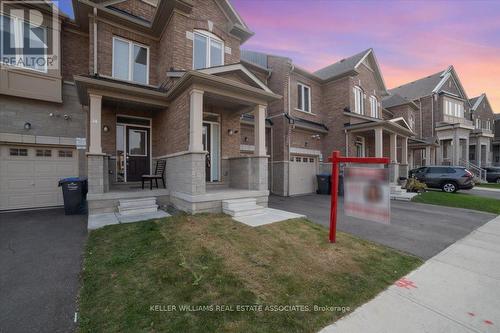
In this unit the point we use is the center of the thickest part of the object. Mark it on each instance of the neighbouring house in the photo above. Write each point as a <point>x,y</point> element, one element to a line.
<point>443,124</point>
<point>139,81</point>
<point>335,108</point>
<point>496,141</point>
<point>481,137</point>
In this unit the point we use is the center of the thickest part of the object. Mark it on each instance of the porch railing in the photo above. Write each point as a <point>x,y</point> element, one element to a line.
<point>475,169</point>
<point>456,120</point>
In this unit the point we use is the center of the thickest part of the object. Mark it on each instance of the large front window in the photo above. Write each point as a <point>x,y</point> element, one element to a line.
<point>453,108</point>
<point>358,100</point>
<point>303,97</point>
<point>374,106</point>
<point>130,61</point>
<point>23,44</point>
<point>208,50</point>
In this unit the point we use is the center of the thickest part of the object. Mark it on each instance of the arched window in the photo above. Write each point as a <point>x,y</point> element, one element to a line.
<point>208,50</point>
<point>358,100</point>
<point>373,106</point>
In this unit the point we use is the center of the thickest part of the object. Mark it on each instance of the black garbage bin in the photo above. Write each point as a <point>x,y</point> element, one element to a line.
<point>323,183</point>
<point>74,194</point>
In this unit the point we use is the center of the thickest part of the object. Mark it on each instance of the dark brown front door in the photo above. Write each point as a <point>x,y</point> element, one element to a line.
<point>138,154</point>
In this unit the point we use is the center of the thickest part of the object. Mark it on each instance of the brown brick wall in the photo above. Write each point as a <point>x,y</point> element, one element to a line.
<point>137,8</point>
<point>404,111</point>
<point>303,139</point>
<point>484,112</point>
<point>315,114</point>
<point>74,51</point>
<point>365,80</point>
<point>171,127</point>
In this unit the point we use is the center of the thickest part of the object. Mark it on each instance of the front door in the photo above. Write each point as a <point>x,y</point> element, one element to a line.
<point>138,154</point>
<point>211,144</point>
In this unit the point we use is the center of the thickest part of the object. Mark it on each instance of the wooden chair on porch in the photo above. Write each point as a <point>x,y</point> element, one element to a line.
<point>159,174</point>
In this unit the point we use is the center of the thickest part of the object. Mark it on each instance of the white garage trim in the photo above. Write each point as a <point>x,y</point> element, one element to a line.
<point>304,151</point>
<point>29,175</point>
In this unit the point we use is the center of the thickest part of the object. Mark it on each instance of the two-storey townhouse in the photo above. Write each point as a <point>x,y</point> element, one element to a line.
<point>442,122</point>
<point>161,80</point>
<point>335,108</point>
<point>483,118</point>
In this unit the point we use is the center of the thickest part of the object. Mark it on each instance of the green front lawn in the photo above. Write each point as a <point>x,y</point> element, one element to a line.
<point>489,185</point>
<point>461,200</point>
<point>211,260</point>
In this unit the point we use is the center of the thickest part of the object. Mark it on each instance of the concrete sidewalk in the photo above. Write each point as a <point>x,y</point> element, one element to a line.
<point>458,290</point>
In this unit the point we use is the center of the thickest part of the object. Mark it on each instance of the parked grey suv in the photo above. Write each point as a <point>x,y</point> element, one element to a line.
<point>493,174</point>
<point>448,178</point>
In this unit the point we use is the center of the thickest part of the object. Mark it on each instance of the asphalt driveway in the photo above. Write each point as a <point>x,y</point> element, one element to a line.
<point>40,261</point>
<point>420,229</point>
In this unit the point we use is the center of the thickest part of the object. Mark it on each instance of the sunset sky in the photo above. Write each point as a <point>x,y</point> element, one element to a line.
<point>411,39</point>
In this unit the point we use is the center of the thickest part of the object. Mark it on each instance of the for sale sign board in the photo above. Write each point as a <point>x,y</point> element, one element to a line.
<point>367,193</point>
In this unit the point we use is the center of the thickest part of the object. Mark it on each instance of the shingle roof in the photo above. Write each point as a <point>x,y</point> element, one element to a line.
<point>473,101</point>
<point>418,88</point>
<point>341,67</point>
<point>394,100</point>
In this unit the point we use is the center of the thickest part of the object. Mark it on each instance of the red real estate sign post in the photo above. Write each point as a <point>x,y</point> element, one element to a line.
<point>336,159</point>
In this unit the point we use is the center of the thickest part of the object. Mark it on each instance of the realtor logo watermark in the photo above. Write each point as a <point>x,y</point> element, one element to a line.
<point>29,35</point>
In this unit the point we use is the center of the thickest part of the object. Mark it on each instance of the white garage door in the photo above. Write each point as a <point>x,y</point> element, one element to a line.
<point>29,175</point>
<point>303,170</point>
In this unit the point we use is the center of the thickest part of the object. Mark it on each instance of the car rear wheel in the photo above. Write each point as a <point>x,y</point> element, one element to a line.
<point>449,187</point>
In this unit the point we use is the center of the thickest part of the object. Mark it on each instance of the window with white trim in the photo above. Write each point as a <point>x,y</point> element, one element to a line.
<point>477,123</point>
<point>303,97</point>
<point>358,100</point>
<point>130,61</point>
<point>374,106</point>
<point>359,143</point>
<point>208,50</point>
<point>453,108</point>
<point>23,44</point>
<point>411,120</point>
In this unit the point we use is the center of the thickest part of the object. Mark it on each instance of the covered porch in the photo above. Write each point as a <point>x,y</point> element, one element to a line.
<point>453,144</point>
<point>381,138</point>
<point>422,152</point>
<point>193,127</point>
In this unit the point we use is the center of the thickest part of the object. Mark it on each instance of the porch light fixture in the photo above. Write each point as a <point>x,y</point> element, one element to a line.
<point>105,128</point>
<point>27,126</point>
<point>231,131</point>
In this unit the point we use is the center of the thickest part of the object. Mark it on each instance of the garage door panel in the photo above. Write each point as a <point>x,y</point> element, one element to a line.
<point>303,170</point>
<point>32,181</point>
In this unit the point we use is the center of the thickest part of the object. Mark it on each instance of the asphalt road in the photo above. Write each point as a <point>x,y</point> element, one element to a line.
<point>40,261</point>
<point>419,229</point>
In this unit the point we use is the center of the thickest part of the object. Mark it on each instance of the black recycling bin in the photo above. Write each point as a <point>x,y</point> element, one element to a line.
<point>74,194</point>
<point>323,183</point>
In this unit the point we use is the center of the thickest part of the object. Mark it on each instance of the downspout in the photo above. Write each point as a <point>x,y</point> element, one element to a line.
<point>95,41</point>
<point>292,67</point>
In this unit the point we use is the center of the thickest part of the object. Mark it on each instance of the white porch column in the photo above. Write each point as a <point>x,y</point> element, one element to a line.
<point>428,160</point>
<point>466,157</point>
<point>379,144</point>
<point>195,120</point>
<point>478,152</point>
<point>260,130</point>
<point>95,124</point>
<point>456,150</point>
<point>404,150</point>
<point>393,148</point>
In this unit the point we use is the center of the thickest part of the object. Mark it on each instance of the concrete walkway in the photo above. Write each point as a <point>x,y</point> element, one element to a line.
<point>458,290</point>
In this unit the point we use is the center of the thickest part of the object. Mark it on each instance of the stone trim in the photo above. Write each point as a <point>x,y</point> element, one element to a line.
<point>37,139</point>
<point>304,151</point>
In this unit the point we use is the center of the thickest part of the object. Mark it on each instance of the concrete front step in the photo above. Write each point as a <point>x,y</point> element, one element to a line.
<point>406,196</point>
<point>137,210</point>
<point>228,204</point>
<point>241,207</point>
<point>138,202</point>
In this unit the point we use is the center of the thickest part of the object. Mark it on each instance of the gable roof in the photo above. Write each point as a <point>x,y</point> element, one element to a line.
<point>428,85</point>
<point>396,100</point>
<point>237,68</point>
<point>476,101</point>
<point>342,66</point>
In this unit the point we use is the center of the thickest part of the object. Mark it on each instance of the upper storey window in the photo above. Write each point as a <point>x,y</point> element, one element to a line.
<point>374,106</point>
<point>208,50</point>
<point>23,44</point>
<point>358,100</point>
<point>130,61</point>
<point>303,97</point>
<point>453,108</point>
